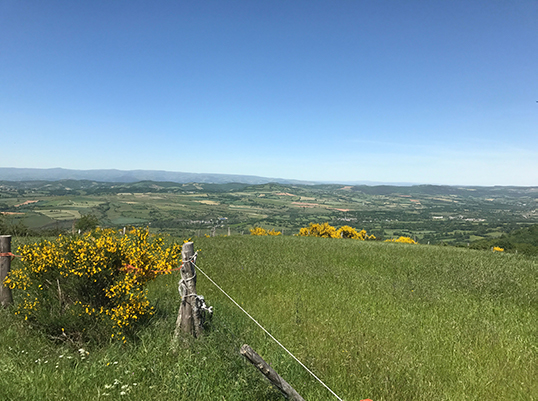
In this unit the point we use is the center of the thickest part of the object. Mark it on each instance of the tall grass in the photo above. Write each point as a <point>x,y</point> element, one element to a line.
<point>372,320</point>
<point>388,321</point>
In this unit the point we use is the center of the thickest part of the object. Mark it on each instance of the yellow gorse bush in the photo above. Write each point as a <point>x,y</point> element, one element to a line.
<point>258,231</point>
<point>99,278</point>
<point>325,230</point>
<point>404,240</point>
<point>262,231</point>
<point>497,249</point>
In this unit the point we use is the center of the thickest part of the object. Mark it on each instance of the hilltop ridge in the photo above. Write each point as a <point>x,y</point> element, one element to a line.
<point>128,176</point>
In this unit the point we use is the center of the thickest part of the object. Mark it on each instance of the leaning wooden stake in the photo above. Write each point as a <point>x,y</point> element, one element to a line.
<point>270,373</point>
<point>189,316</point>
<point>5,265</point>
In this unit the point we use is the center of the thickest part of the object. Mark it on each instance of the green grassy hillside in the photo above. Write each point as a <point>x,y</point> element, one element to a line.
<point>373,320</point>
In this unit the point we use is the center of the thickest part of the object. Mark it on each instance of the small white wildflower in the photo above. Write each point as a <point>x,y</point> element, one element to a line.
<point>115,363</point>
<point>116,381</point>
<point>61,356</point>
<point>123,393</point>
<point>83,352</point>
<point>107,386</point>
<point>124,386</point>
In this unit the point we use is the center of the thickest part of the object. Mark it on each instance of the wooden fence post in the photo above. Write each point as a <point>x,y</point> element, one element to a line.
<point>189,318</point>
<point>5,265</point>
<point>270,373</point>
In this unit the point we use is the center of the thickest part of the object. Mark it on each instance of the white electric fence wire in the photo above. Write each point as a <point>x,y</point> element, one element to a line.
<point>269,334</point>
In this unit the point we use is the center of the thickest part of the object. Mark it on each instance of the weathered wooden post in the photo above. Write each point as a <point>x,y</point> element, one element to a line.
<point>270,373</point>
<point>5,265</point>
<point>189,318</point>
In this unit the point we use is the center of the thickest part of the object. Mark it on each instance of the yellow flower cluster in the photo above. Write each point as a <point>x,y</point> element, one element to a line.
<point>497,249</point>
<point>325,230</point>
<point>258,231</point>
<point>101,274</point>
<point>404,240</point>
<point>263,231</point>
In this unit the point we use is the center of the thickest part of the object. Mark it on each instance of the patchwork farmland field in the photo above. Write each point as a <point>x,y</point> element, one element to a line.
<point>431,214</point>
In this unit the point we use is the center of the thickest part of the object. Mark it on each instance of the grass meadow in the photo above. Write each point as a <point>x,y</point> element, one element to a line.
<point>374,320</point>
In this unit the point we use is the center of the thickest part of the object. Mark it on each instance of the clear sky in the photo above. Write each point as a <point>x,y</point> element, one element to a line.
<point>440,92</point>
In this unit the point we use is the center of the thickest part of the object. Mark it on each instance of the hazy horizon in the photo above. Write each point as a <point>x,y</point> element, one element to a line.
<point>131,176</point>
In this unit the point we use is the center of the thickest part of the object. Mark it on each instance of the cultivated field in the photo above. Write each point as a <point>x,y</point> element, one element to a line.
<point>431,214</point>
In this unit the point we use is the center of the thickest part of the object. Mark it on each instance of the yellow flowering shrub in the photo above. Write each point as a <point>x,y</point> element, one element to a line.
<point>90,286</point>
<point>263,231</point>
<point>497,249</point>
<point>304,232</point>
<point>350,232</point>
<point>404,240</point>
<point>258,231</point>
<point>325,230</point>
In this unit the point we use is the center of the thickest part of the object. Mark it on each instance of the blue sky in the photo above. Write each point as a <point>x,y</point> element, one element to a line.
<point>438,92</point>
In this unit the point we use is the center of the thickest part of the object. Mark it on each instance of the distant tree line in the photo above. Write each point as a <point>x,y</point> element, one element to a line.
<point>523,240</point>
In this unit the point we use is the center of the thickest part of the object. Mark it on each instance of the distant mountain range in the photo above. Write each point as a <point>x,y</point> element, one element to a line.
<point>127,176</point>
